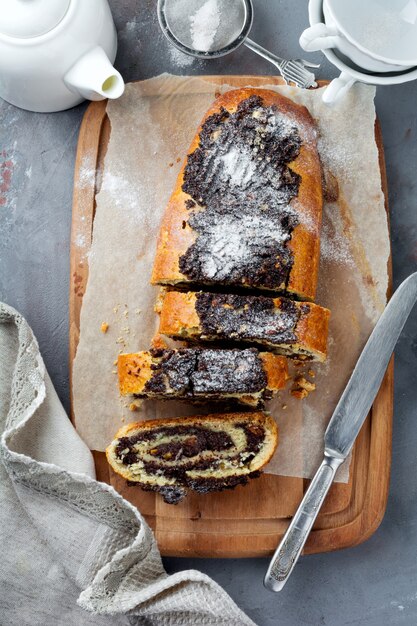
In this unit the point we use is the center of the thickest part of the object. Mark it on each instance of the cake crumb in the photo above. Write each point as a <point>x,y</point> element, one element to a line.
<point>114,371</point>
<point>104,327</point>
<point>133,407</point>
<point>160,300</point>
<point>311,373</point>
<point>305,384</point>
<point>302,387</point>
<point>115,362</point>
<point>299,393</point>
<point>284,406</point>
<point>158,343</point>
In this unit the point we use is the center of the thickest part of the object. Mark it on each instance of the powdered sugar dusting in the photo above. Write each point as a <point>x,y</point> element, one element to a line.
<point>231,244</point>
<point>237,166</point>
<point>334,246</point>
<point>121,190</point>
<point>87,173</point>
<point>204,24</point>
<point>180,59</point>
<point>80,240</point>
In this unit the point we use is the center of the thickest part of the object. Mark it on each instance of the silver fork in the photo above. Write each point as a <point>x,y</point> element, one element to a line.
<point>293,71</point>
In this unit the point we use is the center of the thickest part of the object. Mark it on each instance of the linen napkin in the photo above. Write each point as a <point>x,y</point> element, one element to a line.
<point>70,543</point>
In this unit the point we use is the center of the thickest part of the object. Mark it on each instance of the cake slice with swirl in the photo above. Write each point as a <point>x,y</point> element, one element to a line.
<point>202,453</point>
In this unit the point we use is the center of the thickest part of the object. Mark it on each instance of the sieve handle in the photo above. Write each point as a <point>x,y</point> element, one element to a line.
<point>263,52</point>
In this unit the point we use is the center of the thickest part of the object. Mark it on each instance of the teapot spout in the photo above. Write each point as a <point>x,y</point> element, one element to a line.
<point>94,77</point>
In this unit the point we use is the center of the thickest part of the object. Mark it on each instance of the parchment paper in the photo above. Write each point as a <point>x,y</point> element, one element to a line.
<point>152,126</point>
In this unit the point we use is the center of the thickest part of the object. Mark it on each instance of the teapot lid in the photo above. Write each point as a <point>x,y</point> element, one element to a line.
<point>30,18</point>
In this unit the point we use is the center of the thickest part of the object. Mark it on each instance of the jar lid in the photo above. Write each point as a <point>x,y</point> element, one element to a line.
<point>24,19</point>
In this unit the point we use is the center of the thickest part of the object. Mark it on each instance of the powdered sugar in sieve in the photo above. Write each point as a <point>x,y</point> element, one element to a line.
<point>205,27</point>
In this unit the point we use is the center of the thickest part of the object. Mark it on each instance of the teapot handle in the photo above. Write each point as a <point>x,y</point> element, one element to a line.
<point>338,88</point>
<point>319,37</point>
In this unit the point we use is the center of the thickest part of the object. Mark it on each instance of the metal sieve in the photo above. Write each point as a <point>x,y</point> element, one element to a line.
<point>209,29</point>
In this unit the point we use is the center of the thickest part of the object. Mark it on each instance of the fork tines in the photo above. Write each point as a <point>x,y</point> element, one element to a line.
<point>295,73</point>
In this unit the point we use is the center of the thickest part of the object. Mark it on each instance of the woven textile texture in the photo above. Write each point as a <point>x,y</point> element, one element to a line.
<point>74,551</point>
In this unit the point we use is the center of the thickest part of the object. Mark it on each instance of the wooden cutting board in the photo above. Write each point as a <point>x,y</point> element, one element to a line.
<point>251,520</point>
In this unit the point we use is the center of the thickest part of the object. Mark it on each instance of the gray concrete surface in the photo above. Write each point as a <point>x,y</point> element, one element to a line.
<point>374,584</point>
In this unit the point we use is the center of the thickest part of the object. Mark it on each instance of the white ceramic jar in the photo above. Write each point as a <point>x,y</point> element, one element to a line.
<point>56,53</point>
<point>363,32</point>
<point>351,72</point>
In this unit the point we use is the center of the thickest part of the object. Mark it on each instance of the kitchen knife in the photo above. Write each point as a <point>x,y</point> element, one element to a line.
<point>344,426</point>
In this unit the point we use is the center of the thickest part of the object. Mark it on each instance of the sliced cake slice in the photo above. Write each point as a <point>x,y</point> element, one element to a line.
<point>295,329</point>
<point>203,453</point>
<point>247,376</point>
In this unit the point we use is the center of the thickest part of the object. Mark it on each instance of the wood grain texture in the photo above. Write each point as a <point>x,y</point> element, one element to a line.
<point>251,520</point>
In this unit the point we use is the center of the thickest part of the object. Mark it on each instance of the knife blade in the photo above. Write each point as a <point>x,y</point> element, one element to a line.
<point>344,427</point>
<point>366,378</point>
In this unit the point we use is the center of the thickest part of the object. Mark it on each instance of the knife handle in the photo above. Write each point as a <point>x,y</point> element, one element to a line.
<point>288,551</point>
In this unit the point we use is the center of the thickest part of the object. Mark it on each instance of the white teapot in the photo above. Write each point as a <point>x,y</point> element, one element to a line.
<point>56,53</point>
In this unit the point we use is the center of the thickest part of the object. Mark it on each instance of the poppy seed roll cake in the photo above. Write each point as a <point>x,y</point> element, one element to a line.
<point>202,453</point>
<point>246,209</point>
